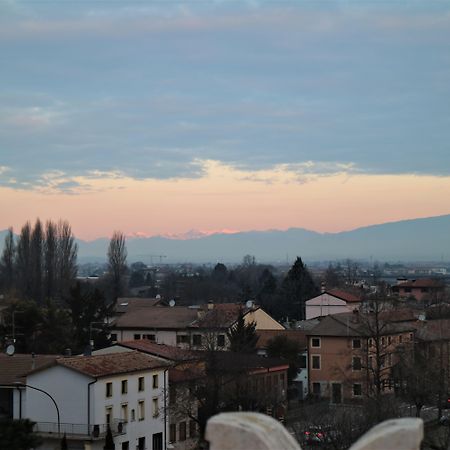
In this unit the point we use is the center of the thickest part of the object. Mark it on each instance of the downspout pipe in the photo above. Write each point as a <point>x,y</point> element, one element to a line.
<point>165,408</point>
<point>89,405</point>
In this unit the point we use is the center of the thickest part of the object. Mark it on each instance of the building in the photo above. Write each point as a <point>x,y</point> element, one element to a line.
<point>190,327</point>
<point>12,372</point>
<point>422,289</point>
<point>126,392</point>
<point>331,302</point>
<point>348,357</point>
<point>299,387</point>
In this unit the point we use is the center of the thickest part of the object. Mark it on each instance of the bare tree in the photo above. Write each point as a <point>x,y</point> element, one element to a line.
<point>23,260</point>
<point>66,259</point>
<point>7,260</point>
<point>50,249</point>
<point>36,254</point>
<point>117,263</point>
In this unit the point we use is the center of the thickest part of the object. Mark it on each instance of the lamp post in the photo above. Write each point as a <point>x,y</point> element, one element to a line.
<point>19,385</point>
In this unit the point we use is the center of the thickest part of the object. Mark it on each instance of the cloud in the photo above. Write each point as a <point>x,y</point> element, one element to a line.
<point>98,90</point>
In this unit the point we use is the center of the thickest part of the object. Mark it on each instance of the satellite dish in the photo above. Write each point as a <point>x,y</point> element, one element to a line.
<point>172,303</point>
<point>249,304</point>
<point>10,350</point>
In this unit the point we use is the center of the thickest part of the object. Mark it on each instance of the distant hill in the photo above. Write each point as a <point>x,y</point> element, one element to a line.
<point>408,240</point>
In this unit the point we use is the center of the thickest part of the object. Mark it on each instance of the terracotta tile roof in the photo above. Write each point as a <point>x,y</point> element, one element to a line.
<point>229,362</point>
<point>434,330</point>
<point>186,373</point>
<point>400,315</point>
<point>150,318</point>
<point>13,368</point>
<point>222,315</point>
<point>349,297</point>
<point>295,335</point>
<point>125,304</point>
<point>351,324</point>
<point>112,363</point>
<point>420,283</point>
<point>161,350</point>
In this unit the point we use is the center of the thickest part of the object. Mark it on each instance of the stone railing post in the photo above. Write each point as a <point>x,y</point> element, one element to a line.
<point>248,431</point>
<point>254,431</point>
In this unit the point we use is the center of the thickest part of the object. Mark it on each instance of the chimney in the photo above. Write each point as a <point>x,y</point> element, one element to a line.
<point>33,361</point>
<point>323,287</point>
<point>210,305</point>
<point>67,352</point>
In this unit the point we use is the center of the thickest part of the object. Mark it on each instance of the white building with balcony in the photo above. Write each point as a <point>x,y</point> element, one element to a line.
<point>125,391</point>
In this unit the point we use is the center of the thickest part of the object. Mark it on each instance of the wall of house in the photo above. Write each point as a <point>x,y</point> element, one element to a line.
<point>136,426</point>
<point>336,355</point>
<point>326,304</point>
<point>67,387</point>
<point>263,320</point>
<point>168,337</point>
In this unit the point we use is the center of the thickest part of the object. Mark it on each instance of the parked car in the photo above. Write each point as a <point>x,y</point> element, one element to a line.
<point>317,435</point>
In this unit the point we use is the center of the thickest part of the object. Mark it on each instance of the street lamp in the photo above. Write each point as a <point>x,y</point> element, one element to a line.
<point>19,385</point>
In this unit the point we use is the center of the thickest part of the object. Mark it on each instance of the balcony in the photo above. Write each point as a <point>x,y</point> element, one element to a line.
<point>80,431</point>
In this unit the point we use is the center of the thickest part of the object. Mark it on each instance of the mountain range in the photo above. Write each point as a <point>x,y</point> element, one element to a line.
<point>425,239</point>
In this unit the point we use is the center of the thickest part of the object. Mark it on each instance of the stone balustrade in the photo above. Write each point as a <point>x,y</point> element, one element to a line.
<point>254,431</point>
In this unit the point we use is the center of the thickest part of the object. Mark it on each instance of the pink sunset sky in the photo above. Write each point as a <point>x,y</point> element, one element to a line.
<point>227,199</point>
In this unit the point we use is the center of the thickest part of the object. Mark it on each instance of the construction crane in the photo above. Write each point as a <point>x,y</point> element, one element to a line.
<point>157,256</point>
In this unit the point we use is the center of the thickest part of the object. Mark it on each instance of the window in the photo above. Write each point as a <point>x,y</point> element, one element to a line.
<point>302,362</point>
<point>316,388</point>
<point>173,432</point>
<point>197,340</point>
<point>108,414</point>
<point>124,412</point>
<point>400,339</point>
<point>410,336</point>
<point>221,340</point>
<point>315,362</point>
<point>124,386</point>
<point>356,363</point>
<point>157,441</point>
<point>132,415</point>
<point>155,382</point>
<point>408,289</point>
<point>357,390</point>
<point>192,429</point>
<point>370,342</point>
<point>141,409</point>
<point>182,431</point>
<point>315,342</point>
<point>150,337</point>
<point>137,337</point>
<point>182,339</point>
<point>125,445</point>
<point>109,389</point>
<point>356,343</point>
<point>389,340</point>
<point>382,340</point>
<point>370,361</point>
<point>155,407</point>
<point>141,384</point>
<point>113,337</point>
<point>141,443</point>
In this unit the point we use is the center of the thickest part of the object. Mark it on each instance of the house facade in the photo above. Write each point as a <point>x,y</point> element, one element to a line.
<point>331,302</point>
<point>347,359</point>
<point>194,327</point>
<point>421,289</point>
<point>126,392</point>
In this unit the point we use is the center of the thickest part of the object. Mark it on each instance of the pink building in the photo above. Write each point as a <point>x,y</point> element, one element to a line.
<point>331,302</point>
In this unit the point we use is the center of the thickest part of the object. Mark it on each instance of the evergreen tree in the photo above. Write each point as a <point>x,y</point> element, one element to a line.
<point>23,264</point>
<point>36,257</point>
<point>288,349</point>
<point>242,336</point>
<point>297,287</point>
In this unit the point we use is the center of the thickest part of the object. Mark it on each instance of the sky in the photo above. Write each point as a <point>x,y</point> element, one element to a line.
<point>160,117</point>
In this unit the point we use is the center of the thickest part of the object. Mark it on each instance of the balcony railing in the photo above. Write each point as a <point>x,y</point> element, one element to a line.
<point>96,431</point>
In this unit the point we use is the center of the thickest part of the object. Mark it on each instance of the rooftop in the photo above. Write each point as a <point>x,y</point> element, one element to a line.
<point>109,364</point>
<point>14,368</point>
<point>161,350</point>
<point>295,335</point>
